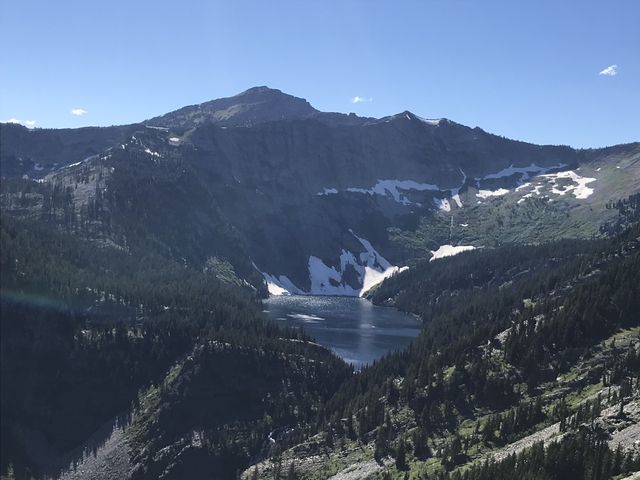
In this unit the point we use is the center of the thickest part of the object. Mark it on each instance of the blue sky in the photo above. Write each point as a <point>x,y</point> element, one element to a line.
<point>525,70</point>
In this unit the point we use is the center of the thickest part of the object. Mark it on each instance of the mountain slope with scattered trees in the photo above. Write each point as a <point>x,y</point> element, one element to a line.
<point>538,342</point>
<point>85,331</point>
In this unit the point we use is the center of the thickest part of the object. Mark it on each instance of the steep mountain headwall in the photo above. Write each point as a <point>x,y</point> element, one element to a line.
<point>266,182</point>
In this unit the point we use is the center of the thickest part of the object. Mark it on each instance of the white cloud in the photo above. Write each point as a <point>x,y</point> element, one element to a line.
<point>26,123</point>
<point>78,112</point>
<point>610,71</point>
<point>358,99</point>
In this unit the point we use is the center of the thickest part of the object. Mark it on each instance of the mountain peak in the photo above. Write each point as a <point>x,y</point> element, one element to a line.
<point>262,89</point>
<point>264,93</point>
<point>410,116</point>
<point>255,105</point>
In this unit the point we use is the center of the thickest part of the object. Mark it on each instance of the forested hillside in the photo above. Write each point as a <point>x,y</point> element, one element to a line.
<point>86,331</point>
<point>519,344</point>
<point>536,343</point>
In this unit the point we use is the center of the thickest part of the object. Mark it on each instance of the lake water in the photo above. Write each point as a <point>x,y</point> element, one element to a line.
<point>353,328</point>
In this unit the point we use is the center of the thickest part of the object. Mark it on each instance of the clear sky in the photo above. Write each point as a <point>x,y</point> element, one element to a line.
<point>528,70</point>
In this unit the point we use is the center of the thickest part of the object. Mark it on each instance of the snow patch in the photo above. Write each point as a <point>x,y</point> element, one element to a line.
<point>327,280</point>
<point>281,285</point>
<point>371,256</point>
<point>449,250</point>
<point>491,193</point>
<point>455,192</point>
<point>304,317</point>
<point>327,191</point>
<point>430,121</point>
<point>525,172</point>
<point>579,189</point>
<point>392,188</point>
<point>151,152</point>
<point>77,163</point>
<point>370,268</point>
<point>535,191</point>
<point>442,204</point>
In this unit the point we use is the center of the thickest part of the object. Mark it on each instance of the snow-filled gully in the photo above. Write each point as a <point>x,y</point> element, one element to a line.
<point>370,266</point>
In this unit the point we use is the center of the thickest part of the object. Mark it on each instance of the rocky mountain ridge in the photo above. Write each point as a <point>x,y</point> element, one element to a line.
<point>264,181</point>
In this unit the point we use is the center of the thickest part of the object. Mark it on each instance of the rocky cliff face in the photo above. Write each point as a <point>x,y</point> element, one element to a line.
<point>319,202</point>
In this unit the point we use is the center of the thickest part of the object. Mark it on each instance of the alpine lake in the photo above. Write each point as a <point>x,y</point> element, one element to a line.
<point>353,328</point>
